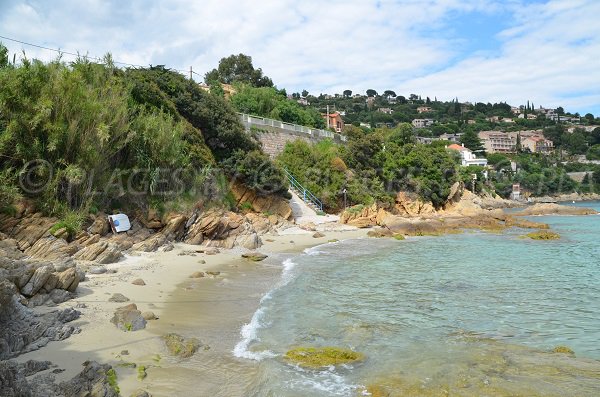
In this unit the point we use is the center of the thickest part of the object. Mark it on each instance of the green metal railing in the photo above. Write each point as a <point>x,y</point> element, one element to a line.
<point>305,194</point>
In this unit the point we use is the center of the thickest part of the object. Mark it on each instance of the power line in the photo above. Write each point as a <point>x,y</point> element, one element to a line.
<point>59,51</point>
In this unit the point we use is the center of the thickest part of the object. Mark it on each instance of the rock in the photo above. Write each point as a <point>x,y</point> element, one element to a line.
<point>17,380</point>
<point>68,280</point>
<point>555,209</point>
<point>138,281</point>
<point>128,318</point>
<point>543,235</point>
<point>318,235</point>
<point>50,248</point>
<point>362,222</point>
<point>100,226</point>
<point>271,204</point>
<point>37,281</point>
<point>101,252</point>
<point>149,316</point>
<point>150,244</point>
<point>214,274</point>
<point>117,297</point>
<point>250,241</point>
<point>168,247</point>
<point>97,270</point>
<point>409,204</point>
<point>212,251</point>
<point>197,275</point>
<point>318,357</point>
<point>175,226</point>
<point>181,347</point>
<point>140,393</point>
<point>202,261</point>
<point>255,256</point>
<point>381,232</point>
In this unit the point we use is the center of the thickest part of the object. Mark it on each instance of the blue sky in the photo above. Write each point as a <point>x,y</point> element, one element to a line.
<point>547,52</point>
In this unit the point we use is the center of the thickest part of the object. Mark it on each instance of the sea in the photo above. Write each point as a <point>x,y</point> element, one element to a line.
<point>471,314</point>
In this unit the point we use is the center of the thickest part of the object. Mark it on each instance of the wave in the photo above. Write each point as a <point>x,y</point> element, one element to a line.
<point>249,331</point>
<point>249,334</point>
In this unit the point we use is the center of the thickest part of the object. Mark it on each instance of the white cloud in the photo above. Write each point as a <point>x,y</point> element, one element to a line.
<point>549,56</point>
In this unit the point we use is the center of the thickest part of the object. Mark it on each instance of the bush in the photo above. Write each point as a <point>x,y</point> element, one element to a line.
<point>256,171</point>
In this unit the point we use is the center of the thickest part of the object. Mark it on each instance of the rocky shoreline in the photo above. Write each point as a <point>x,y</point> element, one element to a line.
<point>41,269</point>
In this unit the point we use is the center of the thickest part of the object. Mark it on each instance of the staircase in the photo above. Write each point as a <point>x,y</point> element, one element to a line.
<point>304,194</point>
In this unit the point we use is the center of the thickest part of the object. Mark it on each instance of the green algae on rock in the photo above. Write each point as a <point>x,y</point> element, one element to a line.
<point>179,346</point>
<point>563,349</point>
<point>317,357</point>
<point>543,235</point>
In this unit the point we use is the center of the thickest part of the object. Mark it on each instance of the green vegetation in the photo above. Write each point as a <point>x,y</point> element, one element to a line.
<point>272,103</point>
<point>563,350</point>
<point>543,235</point>
<point>111,378</point>
<point>237,68</point>
<point>141,372</point>
<point>87,137</point>
<point>178,346</point>
<point>317,357</point>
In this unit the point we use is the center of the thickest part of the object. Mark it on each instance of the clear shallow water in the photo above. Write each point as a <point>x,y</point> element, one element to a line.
<point>408,305</point>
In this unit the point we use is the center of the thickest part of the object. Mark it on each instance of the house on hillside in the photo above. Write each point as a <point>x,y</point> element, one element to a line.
<point>467,157</point>
<point>450,137</point>
<point>537,144</point>
<point>385,110</point>
<point>334,120</point>
<point>498,142</point>
<point>423,109</point>
<point>422,123</point>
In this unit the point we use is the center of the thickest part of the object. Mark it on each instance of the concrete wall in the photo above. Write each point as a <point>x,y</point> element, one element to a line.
<point>274,134</point>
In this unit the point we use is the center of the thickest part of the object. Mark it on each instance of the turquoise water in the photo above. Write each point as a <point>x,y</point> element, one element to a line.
<point>406,305</point>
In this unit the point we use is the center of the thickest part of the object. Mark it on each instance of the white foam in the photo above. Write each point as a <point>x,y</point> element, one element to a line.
<point>249,332</point>
<point>249,335</point>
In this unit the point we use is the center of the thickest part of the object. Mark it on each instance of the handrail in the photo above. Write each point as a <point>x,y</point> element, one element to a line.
<point>307,195</point>
<point>258,120</point>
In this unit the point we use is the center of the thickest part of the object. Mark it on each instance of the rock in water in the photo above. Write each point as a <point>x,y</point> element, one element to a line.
<point>318,235</point>
<point>179,346</point>
<point>128,318</point>
<point>138,281</point>
<point>197,275</point>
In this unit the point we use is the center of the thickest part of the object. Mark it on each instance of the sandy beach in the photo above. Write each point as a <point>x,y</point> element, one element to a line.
<point>212,309</point>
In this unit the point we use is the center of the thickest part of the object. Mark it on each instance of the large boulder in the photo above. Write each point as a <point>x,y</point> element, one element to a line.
<point>128,318</point>
<point>272,204</point>
<point>102,252</point>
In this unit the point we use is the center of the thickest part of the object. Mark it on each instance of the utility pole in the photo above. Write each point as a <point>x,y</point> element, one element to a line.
<point>327,116</point>
<point>191,73</point>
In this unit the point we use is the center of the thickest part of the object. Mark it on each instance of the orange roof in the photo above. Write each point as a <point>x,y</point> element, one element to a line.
<point>460,148</point>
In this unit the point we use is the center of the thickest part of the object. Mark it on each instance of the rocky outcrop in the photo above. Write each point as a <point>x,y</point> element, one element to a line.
<point>18,380</point>
<point>264,204</point>
<point>555,209</point>
<point>102,252</point>
<point>362,216</point>
<point>23,330</point>
<point>410,205</point>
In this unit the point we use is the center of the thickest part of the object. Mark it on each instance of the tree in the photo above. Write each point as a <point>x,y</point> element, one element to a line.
<point>560,110</point>
<point>589,117</point>
<point>238,68</point>
<point>389,93</point>
<point>347,93</point>
<point>371,92</point>
<point>304,93</point>
<point>3,56</point>
<point>471,140</point>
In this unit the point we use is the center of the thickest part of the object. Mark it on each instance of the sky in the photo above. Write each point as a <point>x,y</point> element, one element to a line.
<point>546,52</point>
